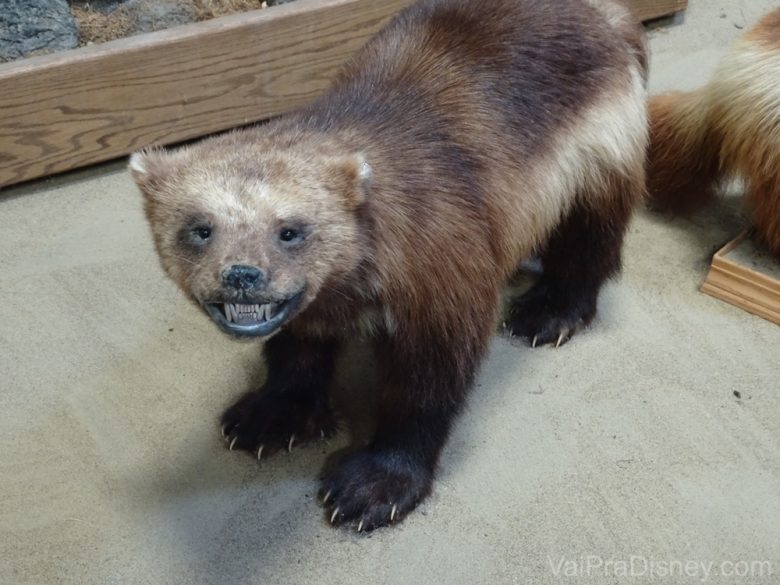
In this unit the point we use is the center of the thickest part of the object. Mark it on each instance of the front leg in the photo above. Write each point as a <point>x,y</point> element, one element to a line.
<point>292,407</point>
<point>425,379</point>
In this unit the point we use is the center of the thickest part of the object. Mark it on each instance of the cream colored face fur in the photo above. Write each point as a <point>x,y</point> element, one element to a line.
<point>246,200</point>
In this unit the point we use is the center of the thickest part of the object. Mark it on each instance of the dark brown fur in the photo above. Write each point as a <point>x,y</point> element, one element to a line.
<point>493,130</point>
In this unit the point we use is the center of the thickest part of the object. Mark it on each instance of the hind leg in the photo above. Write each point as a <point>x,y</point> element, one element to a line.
<point>582,253</point>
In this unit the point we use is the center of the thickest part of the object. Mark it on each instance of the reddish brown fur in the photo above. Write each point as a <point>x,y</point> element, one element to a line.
<point>683,157</point>
<point>767,31</point>
<point>725,130</point>
<point>489,131</point>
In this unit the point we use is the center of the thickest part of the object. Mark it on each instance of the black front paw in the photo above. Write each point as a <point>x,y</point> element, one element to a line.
<point>548,314</point>
<point>374,489</point>
<point>264,422</point>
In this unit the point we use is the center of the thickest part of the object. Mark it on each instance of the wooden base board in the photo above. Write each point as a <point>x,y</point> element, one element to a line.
<point>650,9</point>
<point>64,111</point>
<point>743,287</point>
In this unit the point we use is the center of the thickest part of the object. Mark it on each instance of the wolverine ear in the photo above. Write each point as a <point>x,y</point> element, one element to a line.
<point>151,168</point>
<point>351,176</point>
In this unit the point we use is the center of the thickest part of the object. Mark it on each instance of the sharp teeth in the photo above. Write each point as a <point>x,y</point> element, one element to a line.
<point>236,312</point>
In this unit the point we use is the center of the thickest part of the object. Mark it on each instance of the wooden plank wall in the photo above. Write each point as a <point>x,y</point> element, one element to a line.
<point>68,110</point>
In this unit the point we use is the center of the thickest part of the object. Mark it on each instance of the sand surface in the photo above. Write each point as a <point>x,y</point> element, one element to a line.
<point>627,442</point>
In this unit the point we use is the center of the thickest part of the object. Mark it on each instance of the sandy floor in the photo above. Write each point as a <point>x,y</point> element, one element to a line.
<point>629,441</point>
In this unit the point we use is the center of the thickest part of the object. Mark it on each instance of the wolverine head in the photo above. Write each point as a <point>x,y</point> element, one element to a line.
<point>252,231</point>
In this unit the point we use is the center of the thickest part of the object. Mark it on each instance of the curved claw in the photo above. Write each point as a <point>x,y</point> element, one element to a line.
<point>560,339</point>
<point>393,511</point>
<point>290,444</point>
<point>260,452</point>
<point>233,442</point>
<point>533,342</point>
<point>326,497</point>
<point>222,430</point>
<point>333,516</point>
<point>360,526</point>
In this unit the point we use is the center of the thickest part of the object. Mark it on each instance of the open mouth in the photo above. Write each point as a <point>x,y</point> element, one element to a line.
<point>252,319</point>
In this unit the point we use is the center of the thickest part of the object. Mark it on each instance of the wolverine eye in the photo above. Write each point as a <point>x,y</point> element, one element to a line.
<point>288,235</point>
<point>202,232</point>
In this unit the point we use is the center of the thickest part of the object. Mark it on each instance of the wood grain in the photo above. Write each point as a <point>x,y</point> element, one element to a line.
<point>87,105</point>
<point>648,9</point>
<point>64,111</point>
<point>743,287</point>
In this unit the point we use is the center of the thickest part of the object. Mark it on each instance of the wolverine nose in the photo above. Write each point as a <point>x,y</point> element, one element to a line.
<point>241,277</point>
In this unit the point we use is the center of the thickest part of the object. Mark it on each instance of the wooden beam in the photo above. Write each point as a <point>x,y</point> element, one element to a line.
<point>649,9</point>
<point>67,110</point>
<point>64,111</point>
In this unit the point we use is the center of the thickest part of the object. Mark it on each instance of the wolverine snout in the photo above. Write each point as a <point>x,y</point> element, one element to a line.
<point>243,278</point>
